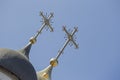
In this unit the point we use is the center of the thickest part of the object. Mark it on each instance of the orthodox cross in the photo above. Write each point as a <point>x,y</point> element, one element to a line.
<point>45,22</point>
<point>45,74</point>
<point>70,39</point>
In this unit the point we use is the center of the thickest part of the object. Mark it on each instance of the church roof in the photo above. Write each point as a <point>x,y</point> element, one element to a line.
<point>18,64</point>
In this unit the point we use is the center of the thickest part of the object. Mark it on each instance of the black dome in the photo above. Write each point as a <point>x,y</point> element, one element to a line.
<point>18,64</point>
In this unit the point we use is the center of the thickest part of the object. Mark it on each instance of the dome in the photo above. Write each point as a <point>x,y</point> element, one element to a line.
<point>17,63</point>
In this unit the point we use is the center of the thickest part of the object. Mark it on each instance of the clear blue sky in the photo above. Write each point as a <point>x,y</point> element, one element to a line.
<point>98,56</point>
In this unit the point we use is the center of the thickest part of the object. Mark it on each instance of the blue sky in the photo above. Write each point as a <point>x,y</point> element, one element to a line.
<point>98,21</point>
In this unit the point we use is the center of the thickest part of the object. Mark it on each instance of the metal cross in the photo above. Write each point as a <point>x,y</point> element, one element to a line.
<point>46,73</point>
<point>69,39</point>
<point>46,22</point>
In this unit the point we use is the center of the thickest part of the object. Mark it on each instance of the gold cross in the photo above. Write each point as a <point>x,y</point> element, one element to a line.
<point>69,39</point>
<point>46,22</point>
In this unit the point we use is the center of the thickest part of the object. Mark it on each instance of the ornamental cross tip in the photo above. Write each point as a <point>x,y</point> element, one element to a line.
<point>46,20</point>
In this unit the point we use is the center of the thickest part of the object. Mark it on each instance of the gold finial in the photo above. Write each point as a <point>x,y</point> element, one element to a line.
<point>53,62</point>
<point>33,40</point>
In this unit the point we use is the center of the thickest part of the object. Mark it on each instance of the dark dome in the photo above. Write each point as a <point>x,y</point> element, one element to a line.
<point>18,64</point>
